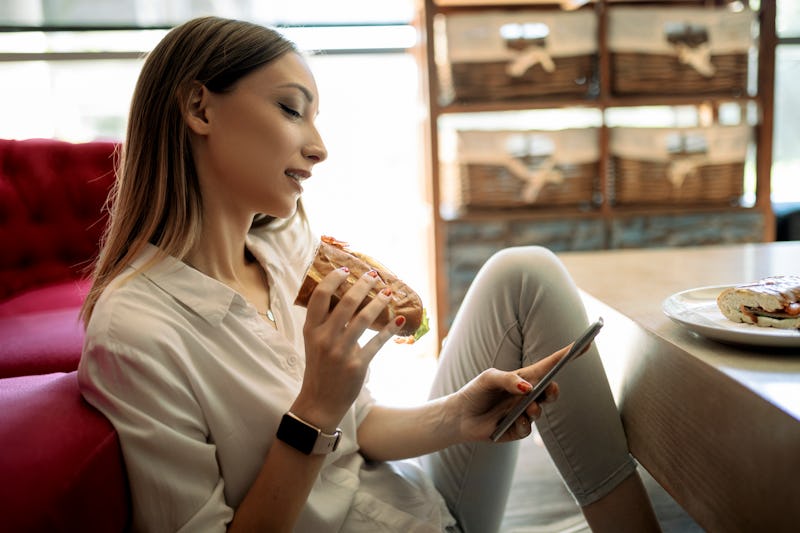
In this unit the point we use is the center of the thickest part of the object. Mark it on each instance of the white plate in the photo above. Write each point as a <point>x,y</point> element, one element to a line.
<point>696,310</point>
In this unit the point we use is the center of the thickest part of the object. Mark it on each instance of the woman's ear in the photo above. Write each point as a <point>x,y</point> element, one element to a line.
<point>195,105</point>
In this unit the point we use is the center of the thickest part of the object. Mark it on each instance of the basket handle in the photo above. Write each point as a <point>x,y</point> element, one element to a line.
<point>527,58</point>
<point>699,58</point>
<point>682,168</point>
<point>535,180</point>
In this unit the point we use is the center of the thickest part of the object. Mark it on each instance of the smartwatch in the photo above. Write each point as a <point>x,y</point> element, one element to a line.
<point>305,437</point>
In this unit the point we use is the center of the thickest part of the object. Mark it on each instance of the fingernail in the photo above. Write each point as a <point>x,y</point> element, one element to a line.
<point>345,269</point>
<point>387,292</point>
<point>399,321</point>
<point>524,386</point>
<point>373,273</point>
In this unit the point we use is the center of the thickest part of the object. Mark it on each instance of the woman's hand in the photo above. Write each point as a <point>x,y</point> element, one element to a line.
<point>484,401</point>
<point>336,365</point>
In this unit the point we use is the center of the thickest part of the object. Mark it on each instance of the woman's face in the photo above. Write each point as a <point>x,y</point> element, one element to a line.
<point>261,141</point>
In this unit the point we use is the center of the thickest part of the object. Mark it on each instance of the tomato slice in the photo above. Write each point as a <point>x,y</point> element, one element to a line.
<point>332,241</point>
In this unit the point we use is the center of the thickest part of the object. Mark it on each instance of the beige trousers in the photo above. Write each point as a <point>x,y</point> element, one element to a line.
<point>523,306</point>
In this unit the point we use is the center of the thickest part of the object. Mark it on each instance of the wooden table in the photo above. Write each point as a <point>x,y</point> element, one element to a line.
<point>717,425</point>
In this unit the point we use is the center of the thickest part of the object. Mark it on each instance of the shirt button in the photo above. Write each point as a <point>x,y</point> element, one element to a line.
<point>292,360</point>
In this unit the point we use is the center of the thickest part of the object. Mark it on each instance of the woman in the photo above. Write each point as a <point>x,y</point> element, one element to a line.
<point>236,409</point>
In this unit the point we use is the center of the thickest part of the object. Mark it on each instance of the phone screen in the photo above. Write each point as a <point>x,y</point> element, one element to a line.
<point>580,345</point>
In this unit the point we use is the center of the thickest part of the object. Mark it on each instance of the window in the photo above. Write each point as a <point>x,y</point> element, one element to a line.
<point>786,157</point>
<point>142,13</point>
<point>69,68</point>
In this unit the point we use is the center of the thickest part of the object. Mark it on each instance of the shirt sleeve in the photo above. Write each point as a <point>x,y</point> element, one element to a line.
<point>175,481</point>
<point>363,404</point>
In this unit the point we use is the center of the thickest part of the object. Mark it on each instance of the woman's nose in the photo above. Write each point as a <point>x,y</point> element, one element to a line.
<point>315,150</point>
<point>316,153</point>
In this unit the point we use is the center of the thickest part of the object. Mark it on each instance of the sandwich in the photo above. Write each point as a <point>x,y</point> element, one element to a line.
<point>771,302</point>
<point>332,254</point>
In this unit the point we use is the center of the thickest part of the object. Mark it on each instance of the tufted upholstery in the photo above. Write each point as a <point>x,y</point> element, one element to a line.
<point>52,195</point>
<point>51,218</point>
<point>40,342</point>
<point>60,466</point>
<point>61,463</point>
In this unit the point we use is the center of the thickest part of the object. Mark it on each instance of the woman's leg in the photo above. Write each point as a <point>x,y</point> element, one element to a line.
<point>521,307</point>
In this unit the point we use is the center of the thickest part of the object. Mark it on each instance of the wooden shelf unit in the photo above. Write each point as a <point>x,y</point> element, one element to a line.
<point>603,100</point>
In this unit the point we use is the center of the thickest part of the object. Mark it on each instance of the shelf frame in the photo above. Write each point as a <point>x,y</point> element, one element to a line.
<point>763,130</point>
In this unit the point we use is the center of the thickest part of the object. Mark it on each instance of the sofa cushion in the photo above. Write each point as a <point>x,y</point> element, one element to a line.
<point>52,195</point>
<point>40,342</point>
<point>63,295</point>
<point>61,464</point>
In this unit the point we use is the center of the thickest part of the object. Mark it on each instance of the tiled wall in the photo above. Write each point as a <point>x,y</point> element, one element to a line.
<point>471,243</point>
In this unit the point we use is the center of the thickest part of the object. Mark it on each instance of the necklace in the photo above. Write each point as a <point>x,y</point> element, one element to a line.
<point>269,316</point>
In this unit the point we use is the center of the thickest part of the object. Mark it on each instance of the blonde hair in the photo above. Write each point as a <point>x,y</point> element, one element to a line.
<point>156,197</point>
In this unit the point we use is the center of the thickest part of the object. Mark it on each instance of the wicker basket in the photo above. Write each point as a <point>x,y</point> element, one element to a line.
<point>701,50</point>
<point>510,55</point>
<point>522,169</point>
<point>685,166</point>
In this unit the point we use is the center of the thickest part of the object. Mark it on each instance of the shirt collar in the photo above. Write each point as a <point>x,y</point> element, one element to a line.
<point>202,294</point>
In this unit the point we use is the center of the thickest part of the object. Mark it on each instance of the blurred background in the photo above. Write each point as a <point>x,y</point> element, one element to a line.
<point>68,68</point>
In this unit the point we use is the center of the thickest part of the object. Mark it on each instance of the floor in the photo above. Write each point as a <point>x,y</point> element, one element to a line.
<point>539,503</point>
<point>555,511</point>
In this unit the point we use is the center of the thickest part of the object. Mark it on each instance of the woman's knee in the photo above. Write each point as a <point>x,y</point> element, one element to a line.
<point>515,262</point>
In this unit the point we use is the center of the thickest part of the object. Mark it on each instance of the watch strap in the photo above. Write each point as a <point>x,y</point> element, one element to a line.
<point>306,437</point>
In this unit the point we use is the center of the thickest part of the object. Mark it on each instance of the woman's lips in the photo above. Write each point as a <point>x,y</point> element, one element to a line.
<point>297,177</point>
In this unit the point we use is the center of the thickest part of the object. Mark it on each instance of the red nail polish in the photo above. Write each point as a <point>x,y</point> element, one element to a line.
<point>524,386</point>
<point>399,321</point>
<point>373,273</point>
<point>387,291</point>
<point>345,269</point>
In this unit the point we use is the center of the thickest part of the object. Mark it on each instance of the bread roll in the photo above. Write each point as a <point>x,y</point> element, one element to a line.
<point>771,302</point>
<point>332,254</point>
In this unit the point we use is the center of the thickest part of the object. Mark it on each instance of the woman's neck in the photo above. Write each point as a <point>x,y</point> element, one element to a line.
<point>220,251</point>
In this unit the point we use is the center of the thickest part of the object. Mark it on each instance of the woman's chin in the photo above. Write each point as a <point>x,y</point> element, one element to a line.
<point>283,211</point>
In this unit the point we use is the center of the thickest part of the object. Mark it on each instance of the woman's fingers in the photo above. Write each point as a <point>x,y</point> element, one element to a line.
<point>550,393</point>
<point>319,304</point>
<point>361,321</point>
<point>349,303</point>
<point>387,332</point>
<point>516,384</point>
<point>345,319</point>
<point>324,295</point>
<point>535,372</point>
<point>523,427</point>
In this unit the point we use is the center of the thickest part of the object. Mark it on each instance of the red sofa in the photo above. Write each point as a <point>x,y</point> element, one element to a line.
<point>61,465</point>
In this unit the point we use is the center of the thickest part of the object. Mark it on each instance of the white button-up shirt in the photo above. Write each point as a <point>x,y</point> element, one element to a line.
<point>195,384</point>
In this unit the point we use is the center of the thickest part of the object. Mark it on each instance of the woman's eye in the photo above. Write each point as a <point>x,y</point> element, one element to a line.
<point>289,111</point>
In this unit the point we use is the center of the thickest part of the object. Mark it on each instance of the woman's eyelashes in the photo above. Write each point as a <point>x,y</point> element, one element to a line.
<point>290,111</point>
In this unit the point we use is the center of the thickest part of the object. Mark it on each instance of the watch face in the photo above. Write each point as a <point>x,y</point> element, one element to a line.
<point>297,434</point>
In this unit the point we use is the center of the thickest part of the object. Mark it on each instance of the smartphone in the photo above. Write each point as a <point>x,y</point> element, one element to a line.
<point>577,349</point>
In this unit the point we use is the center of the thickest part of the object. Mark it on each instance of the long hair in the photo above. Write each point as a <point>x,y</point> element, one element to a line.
<point>156,197</point>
